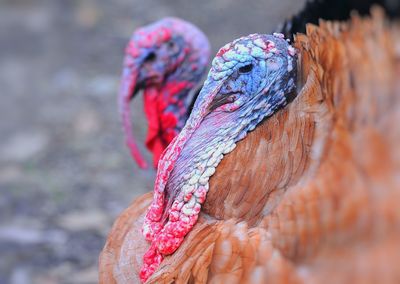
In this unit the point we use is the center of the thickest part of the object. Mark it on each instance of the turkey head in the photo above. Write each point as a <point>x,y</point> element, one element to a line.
<point>250,79</point>
<point>166,60</point>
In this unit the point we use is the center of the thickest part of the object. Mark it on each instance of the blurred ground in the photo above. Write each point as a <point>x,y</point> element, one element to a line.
<point>64,171</point>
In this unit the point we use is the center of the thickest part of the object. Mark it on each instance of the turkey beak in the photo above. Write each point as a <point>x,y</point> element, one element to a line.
<point>128,88</point>
<point>207,101</point>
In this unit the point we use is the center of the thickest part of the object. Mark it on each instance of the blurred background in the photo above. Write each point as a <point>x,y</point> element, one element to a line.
<point>65,173</point>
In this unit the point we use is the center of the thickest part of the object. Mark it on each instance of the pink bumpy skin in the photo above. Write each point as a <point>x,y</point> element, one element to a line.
<point>249,80</point>
<point>167,60</point>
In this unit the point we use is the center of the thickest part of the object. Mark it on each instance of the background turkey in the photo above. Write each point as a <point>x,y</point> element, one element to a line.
<point>167,60</point>
<point>301,198</point>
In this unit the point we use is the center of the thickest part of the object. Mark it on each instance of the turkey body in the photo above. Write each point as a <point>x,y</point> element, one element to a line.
<point>311,194</point>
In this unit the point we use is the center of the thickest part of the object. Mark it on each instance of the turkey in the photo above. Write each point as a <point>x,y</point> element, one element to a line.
<point>167,60</point>
<point>309,196</point>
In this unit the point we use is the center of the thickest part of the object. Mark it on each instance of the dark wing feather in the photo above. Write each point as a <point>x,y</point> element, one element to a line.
<point>338,10</point>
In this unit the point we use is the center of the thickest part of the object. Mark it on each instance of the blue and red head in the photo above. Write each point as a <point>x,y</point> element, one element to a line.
<point>166,60</point>
<point>250,79</point>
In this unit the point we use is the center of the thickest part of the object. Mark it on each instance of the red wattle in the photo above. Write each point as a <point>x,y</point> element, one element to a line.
<point>163,125</point>
<point>151,261</point>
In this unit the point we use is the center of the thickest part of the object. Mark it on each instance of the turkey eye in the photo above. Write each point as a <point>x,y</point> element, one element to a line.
<point>246,68</point>
<point>171,45</point>
<point>150,57</point>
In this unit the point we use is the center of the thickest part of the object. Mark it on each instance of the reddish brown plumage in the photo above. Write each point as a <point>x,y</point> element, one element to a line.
<point>312,194</point>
